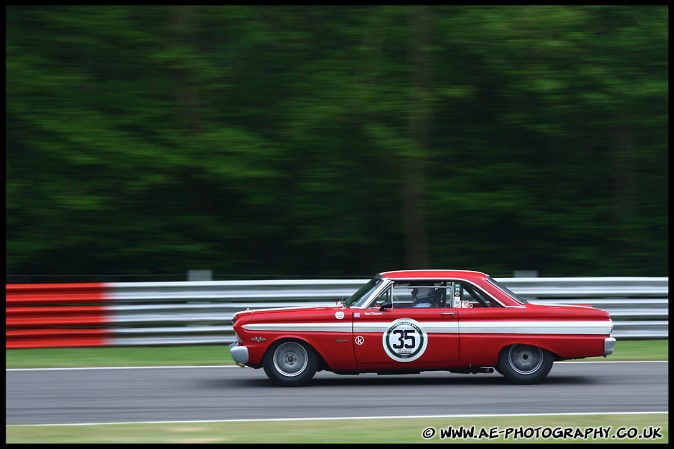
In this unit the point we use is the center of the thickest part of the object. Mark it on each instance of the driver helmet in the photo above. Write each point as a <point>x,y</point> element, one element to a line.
<point>423,294</point>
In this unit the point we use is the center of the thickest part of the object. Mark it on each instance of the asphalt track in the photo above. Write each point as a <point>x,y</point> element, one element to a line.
<point>107,395</point>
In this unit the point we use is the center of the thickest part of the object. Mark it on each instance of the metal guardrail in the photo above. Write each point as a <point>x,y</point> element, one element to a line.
<point>200,312</point>
<point>152,313</point>
<point>638,305</point>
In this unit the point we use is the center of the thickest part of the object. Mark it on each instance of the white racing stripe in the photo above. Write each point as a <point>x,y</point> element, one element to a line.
<point>310,327</point>
<point>536,327</point>
<point>451,327</point>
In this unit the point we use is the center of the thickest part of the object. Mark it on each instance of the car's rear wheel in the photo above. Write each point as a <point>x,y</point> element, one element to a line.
<point>524,364</point>
<point>290,363</point>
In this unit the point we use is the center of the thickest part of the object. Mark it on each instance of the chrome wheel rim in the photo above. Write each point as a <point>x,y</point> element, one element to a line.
<point>291,359</point>
<point>525,359</point>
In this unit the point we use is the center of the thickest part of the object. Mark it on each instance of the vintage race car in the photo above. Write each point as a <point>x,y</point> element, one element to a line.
<point>421,320</point>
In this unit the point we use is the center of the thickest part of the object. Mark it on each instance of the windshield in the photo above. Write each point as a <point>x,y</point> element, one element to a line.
<point>509,292</point>
<point>358,298</point>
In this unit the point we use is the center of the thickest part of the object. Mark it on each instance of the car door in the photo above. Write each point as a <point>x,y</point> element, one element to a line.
<point>399,335</point>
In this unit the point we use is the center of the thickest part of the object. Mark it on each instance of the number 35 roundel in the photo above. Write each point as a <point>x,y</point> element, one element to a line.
<point>405,340</point>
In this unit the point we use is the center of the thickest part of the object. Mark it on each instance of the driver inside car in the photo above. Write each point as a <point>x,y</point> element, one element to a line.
<point>422,297</point>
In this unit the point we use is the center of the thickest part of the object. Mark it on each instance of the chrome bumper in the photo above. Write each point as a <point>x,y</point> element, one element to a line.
<point>609,345</point>
<point>239,354</point>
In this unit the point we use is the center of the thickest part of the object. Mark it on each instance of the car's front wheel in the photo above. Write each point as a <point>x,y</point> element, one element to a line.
<point>524,364</point>
<point>290,363</point>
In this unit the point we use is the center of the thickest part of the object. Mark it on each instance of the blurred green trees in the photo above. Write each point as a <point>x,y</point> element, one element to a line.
<point>336,141</point>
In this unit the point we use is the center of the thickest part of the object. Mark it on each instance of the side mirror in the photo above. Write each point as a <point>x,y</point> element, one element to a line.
<point>386,305</point>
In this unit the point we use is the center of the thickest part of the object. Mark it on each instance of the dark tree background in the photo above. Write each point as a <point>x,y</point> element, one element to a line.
<point>336,141</point>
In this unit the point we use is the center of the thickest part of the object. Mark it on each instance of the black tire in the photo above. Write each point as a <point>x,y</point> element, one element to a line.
<point>290,363</point>
<point>524,364</point>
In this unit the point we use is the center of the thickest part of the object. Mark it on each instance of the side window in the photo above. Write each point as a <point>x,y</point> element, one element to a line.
<point>383,299</point>
<point>426,294</point>
<point>468,296</point>
<point>402,296</point>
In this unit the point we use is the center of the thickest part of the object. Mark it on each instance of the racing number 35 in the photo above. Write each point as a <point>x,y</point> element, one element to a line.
<point>406,338</point>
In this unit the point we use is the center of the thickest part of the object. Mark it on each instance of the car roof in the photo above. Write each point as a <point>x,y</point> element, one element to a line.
<point>433,274</point>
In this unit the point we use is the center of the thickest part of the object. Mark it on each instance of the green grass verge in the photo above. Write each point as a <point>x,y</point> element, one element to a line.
<point>390,430</point>
<point>219,355</point>
<point>118,356</point>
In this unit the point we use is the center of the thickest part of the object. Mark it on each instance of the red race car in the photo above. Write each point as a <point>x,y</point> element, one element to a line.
<point>421,320</point>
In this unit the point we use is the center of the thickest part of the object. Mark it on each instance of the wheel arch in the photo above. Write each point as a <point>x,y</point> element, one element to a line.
<point>545,347</point>
<point>322,364</point>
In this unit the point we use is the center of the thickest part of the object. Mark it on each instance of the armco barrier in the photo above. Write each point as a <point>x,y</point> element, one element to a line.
<point>56,315</point>
<point>182,313</point>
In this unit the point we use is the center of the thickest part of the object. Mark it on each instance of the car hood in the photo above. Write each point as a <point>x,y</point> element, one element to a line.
<point>286,310</point>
